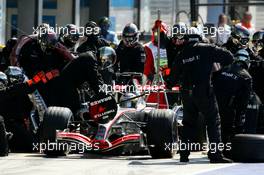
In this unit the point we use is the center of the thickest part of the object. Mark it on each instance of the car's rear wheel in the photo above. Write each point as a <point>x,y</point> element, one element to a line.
<point>162,134</point>
<point>55,118</point>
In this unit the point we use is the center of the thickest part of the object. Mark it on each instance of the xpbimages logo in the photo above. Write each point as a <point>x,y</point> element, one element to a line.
<point>212,31</point>
<point>59,30</point>
<point>105,88</point>
<point>58,146</point>
<point>213,147</point>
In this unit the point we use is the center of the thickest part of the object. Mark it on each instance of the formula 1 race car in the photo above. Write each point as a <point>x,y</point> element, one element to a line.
<point>104,126</point>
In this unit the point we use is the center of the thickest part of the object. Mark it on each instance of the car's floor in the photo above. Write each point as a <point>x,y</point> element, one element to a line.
<point>36,164</point>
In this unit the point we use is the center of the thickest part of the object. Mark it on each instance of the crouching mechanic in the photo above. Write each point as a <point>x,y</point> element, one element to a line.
<point>233,86</point>
<point>7,93</point>
<point>194,66</point>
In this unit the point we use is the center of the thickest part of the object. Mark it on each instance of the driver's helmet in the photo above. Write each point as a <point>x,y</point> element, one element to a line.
<point>240,34</point>
<point>130,35</point>
<point>258,40</point>
<point>15,75</point>
<point>107,56</point>
<point>3,80</point>
<point>130,103</point>
<point>47,40</point>
<point>69,35</point>
<point>242,56</point>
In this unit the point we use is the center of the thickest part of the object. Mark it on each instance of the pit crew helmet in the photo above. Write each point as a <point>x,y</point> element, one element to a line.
<point>69,35</point>
<point>242,56</point>
<point>3,80</point>
<point>15,75</point>
<point>241,34</point>
<point>130,35</point>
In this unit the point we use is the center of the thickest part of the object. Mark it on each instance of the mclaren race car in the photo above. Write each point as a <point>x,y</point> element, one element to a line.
<point>105,126</point>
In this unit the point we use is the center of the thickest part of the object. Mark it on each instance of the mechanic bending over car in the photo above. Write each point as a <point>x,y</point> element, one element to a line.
<point>45,55</point>
<point>193,68</point>
<point>233,86</point>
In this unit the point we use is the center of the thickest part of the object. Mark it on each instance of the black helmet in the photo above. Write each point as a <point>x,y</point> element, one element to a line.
<point>193,35</point>
<point>258,36</point>
<point>130,34</point>
<point>11,43</point>
<point>15,75</point>
<point>91,29</point>
<point>258,40</point>
<point>47,40</point>
<point>3,80</point>
<point>104,23</point>
<point>107,57</point>
<point>241,34</point>
<point>42,28</point>
<point>179,30</point>
<point>242,56</point>
<point>69,35</point>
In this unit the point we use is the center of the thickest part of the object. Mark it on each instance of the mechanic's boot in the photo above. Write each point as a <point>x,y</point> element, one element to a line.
<point>218,158</point>
<point>184,156</point>
<point>3,139</point>
<point>184,159</point>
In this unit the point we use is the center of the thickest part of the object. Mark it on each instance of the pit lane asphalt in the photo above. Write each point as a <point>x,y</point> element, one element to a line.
<point>78,164</point>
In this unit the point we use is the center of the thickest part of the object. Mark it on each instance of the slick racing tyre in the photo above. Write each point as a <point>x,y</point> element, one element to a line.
<point>248,148</point>
<point>55,118</point>
<point>161,131</point>
<point>3,138</point>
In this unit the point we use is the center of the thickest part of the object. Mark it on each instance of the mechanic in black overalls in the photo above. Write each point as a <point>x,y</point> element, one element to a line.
<point>239,39</point>
<point>194,67</point>
<point>130,53</point>
<point>233,86</point>
<point>45,56</point>
<point>257,72</point>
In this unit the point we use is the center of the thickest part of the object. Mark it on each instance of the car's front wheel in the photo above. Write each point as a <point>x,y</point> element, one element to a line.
<point>55,118</point>
<point>162,133</point>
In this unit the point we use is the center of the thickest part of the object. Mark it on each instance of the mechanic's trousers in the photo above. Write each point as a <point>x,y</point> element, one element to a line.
<point>201,100</point>
<point>3,138</point>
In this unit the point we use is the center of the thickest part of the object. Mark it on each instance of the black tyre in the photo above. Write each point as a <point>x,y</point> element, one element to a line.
<point>161,132</point>
<point>3,138</point>
<point>55,118</point>
<point>260,129</point>
<point>248,148</point>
